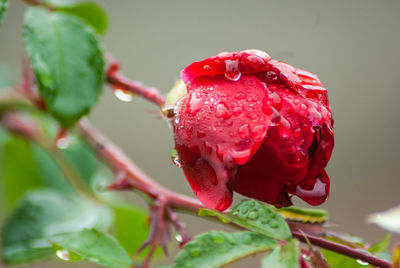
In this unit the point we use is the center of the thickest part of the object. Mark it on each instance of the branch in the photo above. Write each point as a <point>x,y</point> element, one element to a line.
<point>342,249</point>
<point>118,161</point>
<point>121,164</point>
<point>119,81</point>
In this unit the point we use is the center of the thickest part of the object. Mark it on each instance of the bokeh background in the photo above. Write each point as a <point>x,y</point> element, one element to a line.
<point>352,45</point>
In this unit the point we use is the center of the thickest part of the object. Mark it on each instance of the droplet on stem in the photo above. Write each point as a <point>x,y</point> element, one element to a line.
<point>123,95</point>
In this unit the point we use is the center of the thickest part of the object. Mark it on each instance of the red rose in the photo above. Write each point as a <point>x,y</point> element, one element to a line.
<point>256,126</point>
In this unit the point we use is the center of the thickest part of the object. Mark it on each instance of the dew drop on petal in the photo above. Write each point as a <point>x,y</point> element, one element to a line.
<point>240,96</point>
<point>237,110</point>
<point>222,111</point>
<point>232,71</point>
<point>244,131</point>
<point>123,95</point>
<point>271,76</point>
<point>241,157</point>
<point>256,61</point>
<point>258,132</point>
<point>194,104</point>
<point>284,128</point>
<point>63,254</point>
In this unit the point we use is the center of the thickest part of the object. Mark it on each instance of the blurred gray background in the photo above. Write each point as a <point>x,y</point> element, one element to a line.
<point>353,46</point>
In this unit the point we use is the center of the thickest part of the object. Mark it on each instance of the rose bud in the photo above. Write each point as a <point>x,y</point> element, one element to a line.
<point>253,125</point>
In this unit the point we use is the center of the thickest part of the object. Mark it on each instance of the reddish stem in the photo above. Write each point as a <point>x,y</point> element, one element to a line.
<point>342,249</point>
<point>118,80</point>
<point>118,161</point>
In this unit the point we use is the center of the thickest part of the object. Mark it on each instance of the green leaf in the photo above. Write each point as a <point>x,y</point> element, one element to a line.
<point>3,9</point>
<point>337,260</point>
<point>67,61</point>
<point>215,248</point>
<point>286,256</point>
<point>388,220</point>
<point>131,227</point>
<point>91,13</point>
<point>255,216</point>
<point>305,215</point>
<point>50,173</point>
<point>382,245</point>
<point>96,246</point>
<point>19,173</point>
<point>44,215</point>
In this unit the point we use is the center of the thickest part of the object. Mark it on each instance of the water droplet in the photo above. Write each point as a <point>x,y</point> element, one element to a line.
<point>207,67</point>
<point>219,239</point>
<point>178,238</point>
<point>201,134</point>
<point>244,131</point>
<point>237,111</point>
<point>208,147</point>
<point>314,195</point>
<point>284,128</point>
<point>297,133</point>
<point>265,221</point>
<point>258,132</point>
<point>195,252</point>
<point>123,95</point>
<point>240,96</point>
<point>63,254</point>
<point>244,211</point>
<point>256,61</point>
<point>273,224</point>
<point>247,239</point>
<point>62,143</point>
<point>276,100</point>
<point>252,216</point>
<point>232,71</point>
<point>362,262</point>
<point>271,76</point>
<point>252,115</point>
<point>303,111</point>
<point>194,104</point>
<point>241,157</point>
<point>175,158</point>
<point>222,111</point>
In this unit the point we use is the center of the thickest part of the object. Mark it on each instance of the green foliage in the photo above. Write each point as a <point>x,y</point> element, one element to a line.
<point>132,228</point>
<point>304,214</point>
<point>45,215</point>
<point>337,260</point>
<point>91,13</point>
<point>285,256</point>
<point>93,245</point>
<point>19,172</point>
<point>3,9</point>
<point>215,249</point>
<point>255,216</point>
<point>69,76</point>
<point>49,171</point>
<point>382,245</point>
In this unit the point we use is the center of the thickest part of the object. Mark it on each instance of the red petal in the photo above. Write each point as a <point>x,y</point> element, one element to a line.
<point>203,180</point>
<point>314,191</point>
<point>265,176</point>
